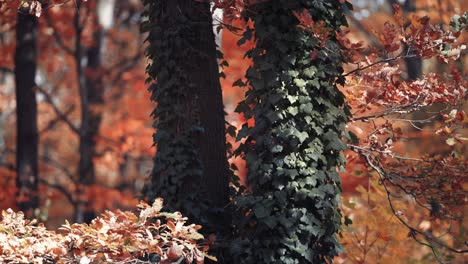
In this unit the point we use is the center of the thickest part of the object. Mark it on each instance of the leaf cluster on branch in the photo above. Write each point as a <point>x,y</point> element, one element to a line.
<point>390,109</point>
<point>113,237</point>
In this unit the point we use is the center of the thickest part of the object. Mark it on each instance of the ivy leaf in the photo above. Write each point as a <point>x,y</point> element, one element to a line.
<point>348,221</point>
<point>310,72</point>
<point>277,149</point>
<point>293,110</point>
<point>351,137</point>
<point>271,222</point>
<point>239,83</point>
<point>302,136</point>
<point>299,82</point>
<point>261,211</point>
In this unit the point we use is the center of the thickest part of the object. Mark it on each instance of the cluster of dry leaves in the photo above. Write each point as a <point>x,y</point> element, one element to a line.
<point>113,237</point>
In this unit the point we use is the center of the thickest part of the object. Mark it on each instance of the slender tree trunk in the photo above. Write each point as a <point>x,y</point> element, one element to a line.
<point>95,93</point>
<point>92,101</point>
<point>84,165</point>
<point>90,88</point>
<point>413,64</point>
<point>26,112</point>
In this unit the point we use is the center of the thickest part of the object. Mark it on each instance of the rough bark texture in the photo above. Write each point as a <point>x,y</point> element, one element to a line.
<point>205,76</point>
<point>26,112</point>
<point>190,168</point>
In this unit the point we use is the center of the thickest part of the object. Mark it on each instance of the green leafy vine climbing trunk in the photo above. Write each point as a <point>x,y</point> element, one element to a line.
<point>293,152</point>
<point>190,167</point>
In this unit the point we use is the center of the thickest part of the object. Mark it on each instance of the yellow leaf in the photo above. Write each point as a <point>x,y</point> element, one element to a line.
<point>213,258</point>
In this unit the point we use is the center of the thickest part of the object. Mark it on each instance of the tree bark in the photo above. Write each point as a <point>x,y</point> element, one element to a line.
<point>95,94</point>
<point>92,101</point>
<point>185,59</point>
<point>205,76</point>
<point>413,64</point>
<point>26,112</point>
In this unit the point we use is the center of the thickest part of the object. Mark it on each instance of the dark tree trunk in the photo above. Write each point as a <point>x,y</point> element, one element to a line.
<point>413,64</point>
<point>26,112</point>
<point>205,77</point>
<point>95,93</point>
<point>190,170</point>
<point>92,100</point>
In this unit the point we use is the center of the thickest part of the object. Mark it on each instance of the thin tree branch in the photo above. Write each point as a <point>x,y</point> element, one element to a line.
<point>59,166</point>
<point>399,56</point>
<point>6,69</point>
<point>53,122</point>
<point>57,111</point>
<point>8,166</point>
<point>123,66</point>
<point>413,231</point>
<point>57,36</point>
<point>59,188</point>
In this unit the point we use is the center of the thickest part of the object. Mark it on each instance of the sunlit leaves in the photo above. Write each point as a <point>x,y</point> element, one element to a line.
<point>111,237</point>
<point>386,103</point>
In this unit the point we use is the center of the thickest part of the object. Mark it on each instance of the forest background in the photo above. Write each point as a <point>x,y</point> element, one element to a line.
<point>120,148</point>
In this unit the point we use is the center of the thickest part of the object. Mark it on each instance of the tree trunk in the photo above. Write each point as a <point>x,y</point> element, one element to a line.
<point>92,102</point>
<point>95,93</point>
<point>26,112</point>
<point>413,64</point>
<point>205,77</point>
<point>292,153</point>
<point>190,167</point>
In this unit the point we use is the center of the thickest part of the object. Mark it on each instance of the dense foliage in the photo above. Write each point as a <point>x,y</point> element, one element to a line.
<point>294,149</point>
<point>152,236</point>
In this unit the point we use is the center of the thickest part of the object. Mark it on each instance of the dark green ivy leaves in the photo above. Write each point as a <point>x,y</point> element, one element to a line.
<point>295,148</point>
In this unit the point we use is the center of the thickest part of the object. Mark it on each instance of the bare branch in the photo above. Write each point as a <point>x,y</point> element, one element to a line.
<point>57,111</point>
<point>384,178</point>
<point>6,70</point>
<point>57,36</point>
<point>59,188</point>
<point>53,122</point>
<point>399,56</point>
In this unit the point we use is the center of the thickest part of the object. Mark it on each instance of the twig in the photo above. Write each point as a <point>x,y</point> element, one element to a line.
<point>56,120</point>
<point>413,231</point>
<point>57,36</point>
<point>57,111</point>
<point>59,188</point>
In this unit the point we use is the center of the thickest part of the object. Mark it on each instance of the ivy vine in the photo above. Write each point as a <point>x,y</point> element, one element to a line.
<point>177,165</point>
<point>294,150</point>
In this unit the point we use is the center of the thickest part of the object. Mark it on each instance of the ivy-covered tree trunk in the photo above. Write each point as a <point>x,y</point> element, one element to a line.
<point>26,111</point>
<point>294,150</point>
<point>190,167</point>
